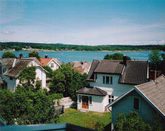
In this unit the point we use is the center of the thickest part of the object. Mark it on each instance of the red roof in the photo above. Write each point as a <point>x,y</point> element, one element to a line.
<point>45,61</point>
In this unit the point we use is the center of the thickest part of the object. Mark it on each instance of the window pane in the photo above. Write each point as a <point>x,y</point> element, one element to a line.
<point>107,79</point>
<point>90,99</point>
<point>79,98</point>
<point>111,79</point>
<point>103,79</point>
<point>136,103</point>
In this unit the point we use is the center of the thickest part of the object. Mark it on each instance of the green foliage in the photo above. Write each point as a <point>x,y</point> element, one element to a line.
<point>7,105</point>
<point>27,76</point>
<point>163,56</point>
<point>49,71</point>
<point>155,58</point>
<point>8,54</point>
<point>34,54</point>
<point>67,81</point>
<point>115,56</point>
<point>132,122</point>
<point>25,106</point>
<point>13,45</point>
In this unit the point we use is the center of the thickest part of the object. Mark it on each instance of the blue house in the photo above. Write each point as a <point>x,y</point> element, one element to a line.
<point>147,99</point>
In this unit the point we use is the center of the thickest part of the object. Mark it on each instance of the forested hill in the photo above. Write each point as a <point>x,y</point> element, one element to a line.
<point>21,45</point>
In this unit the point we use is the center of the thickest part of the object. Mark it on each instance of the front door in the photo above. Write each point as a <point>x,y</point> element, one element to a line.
<point>85,102</point>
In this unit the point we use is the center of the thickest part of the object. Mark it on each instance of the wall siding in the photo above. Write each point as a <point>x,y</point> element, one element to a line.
<point>125,105</point>
<point>116,89</point>
<point>98,103</point>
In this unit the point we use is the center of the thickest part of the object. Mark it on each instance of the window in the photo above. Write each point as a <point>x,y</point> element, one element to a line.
<point>136,104</point>
<point>11,78</point>
<point>107,79</point>
<point>95,75</point>
<point>90,99</point>
<point>80,98</point>
<point>111,98</point>
<point>103,79</point>
<point>52,65</point>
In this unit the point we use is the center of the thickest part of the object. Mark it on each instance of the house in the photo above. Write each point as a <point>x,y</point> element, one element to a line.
<point>147,99</point>
<point>53,63</point>
<point>113,77</point>
<point>10,68</point>
<point>81,67</point>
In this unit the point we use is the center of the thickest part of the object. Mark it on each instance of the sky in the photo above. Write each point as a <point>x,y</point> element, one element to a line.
<point>86,22</point>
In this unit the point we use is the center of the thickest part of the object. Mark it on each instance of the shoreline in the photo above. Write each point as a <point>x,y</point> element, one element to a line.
<point>44,50</point>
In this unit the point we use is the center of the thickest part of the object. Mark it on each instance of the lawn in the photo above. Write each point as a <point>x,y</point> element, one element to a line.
<point>85,119</point>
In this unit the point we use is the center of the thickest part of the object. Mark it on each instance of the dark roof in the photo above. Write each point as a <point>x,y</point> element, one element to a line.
<point>92,91</point>
<point>19,66</point>
<point>135,72</point>
<point>107,66</point>
<point>7,62</point>
<point>93,67</point>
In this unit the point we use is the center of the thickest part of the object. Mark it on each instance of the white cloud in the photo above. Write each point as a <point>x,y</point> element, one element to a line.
<point>113,34</point>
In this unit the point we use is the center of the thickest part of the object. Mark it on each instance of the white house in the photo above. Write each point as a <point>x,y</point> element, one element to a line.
<point>113,77</point>
<point>10,68</point>
<point>53,63</point>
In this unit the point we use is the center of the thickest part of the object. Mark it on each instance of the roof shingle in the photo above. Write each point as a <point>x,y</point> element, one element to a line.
<point>135,72</point>
<point>92,91</point>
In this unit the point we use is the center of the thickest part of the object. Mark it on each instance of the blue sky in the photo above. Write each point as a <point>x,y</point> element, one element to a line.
<point>89,22</point>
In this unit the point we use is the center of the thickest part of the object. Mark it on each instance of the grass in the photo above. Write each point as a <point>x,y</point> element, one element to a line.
<point>85,119</point>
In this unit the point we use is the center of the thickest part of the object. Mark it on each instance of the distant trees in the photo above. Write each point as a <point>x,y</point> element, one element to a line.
<point>34,54</point>
<point>67,81</point>
<point>15,45</point>
<point>8,54</point>
<point>155,58</point>
<point>26,106</point>
<point>131,122</point>
<point>115,56</point>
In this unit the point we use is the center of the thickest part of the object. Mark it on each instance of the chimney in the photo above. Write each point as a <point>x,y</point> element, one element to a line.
<point>125,60</point>
<point>46,56</point>
<point>20,56</point>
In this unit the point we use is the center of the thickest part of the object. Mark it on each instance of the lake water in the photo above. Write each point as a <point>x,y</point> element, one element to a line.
<point>68,56</point>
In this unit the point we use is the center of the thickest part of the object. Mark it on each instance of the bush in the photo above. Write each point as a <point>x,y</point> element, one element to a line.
<point>25,106</point>
<point>8,54</point>
<point>132,122</point>
<point>115,56</point>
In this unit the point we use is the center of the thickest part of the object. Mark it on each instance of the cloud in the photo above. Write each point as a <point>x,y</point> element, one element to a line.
<point>127,33</point>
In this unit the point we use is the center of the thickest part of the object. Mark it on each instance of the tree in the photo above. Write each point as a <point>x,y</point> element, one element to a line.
<point>163,56</point>
<point>132,122</point>
<point>27,76</point>
<point>155,58</point>
<point>115,56</point>
<point>49,71</point>
<point>8,54</point>
<point>34,54</point>
<point>25,106</point>
<point>67,81</point>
